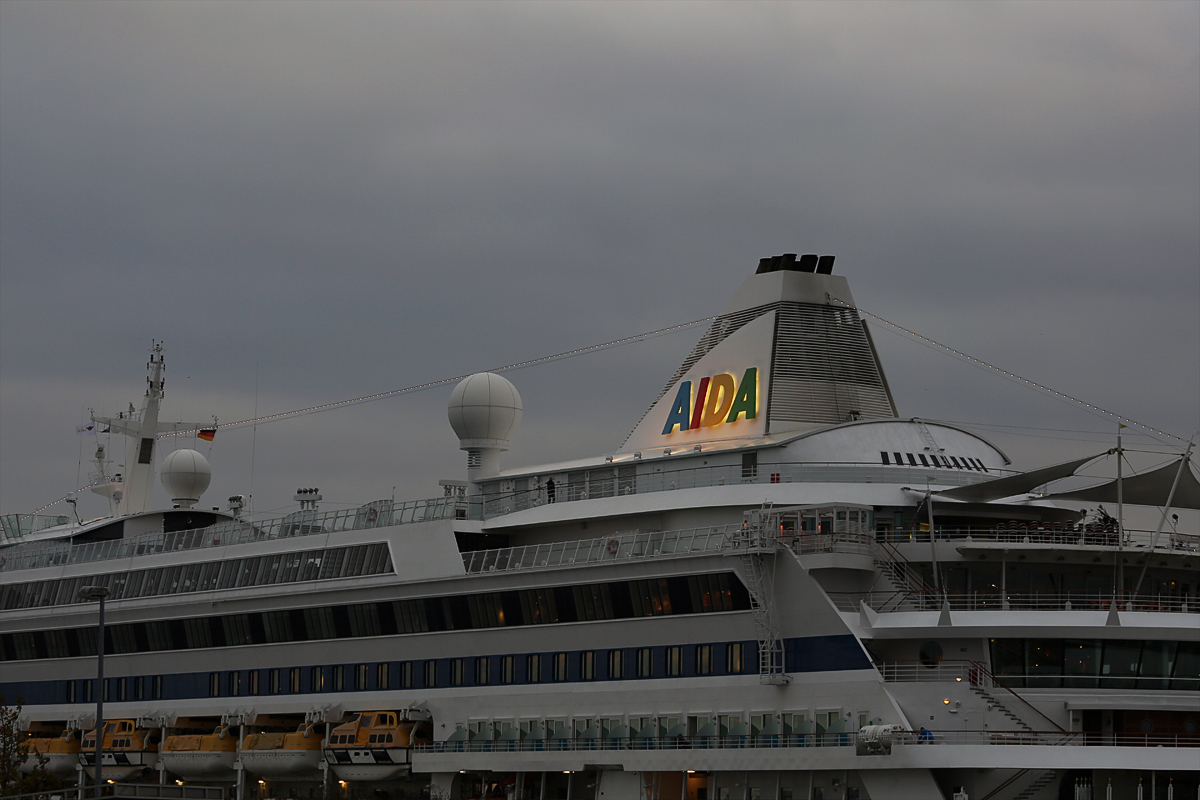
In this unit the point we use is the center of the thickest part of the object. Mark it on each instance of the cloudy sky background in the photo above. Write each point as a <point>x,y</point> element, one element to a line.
<point>311,202</point>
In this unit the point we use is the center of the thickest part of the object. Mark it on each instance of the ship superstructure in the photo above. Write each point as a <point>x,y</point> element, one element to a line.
<point>776,587</point>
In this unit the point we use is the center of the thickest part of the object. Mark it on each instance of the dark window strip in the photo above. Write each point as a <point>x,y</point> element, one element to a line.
<point>694,594</point>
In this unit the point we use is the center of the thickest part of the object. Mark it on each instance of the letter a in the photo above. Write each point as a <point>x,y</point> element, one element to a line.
<point>681,411</point>
<point>746,401</point>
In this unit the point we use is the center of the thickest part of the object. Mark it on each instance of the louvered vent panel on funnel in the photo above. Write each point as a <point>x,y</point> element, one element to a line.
<point>722,328</point>
<point>824,369</point>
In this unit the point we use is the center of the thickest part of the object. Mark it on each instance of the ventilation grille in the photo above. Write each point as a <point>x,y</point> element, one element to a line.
<point>824,369</point>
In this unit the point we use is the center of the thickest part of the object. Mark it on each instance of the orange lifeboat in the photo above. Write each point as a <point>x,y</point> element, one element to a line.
<point>374,746</point>
<point>126,749</point>
<point>284,755</point>
<point>201,756</point>
<point>61,752</point>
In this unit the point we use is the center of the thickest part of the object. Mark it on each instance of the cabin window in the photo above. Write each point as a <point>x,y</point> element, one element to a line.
<point>651,598</point>
<point>533,668</point>
<point>560,666</point>
<point>430,674</point>
<point>235,684</point>
<point>121,686</point>
<point>273,685</point>
<point>458,672</point>
<point>360,677</point>
<point>372,738</point>
<point>735,658</point>
<point>338,677</point>
<point>616,664</point>
<point>406,675</point>
<point>317,679</point>
<point>674,663</point>
<point>294,680</point>
<point>587,665</point>
<point>252,683</point>
<point>382,673</point>
<point>70,691</point>
<point>645,662</point>
<point>508,669</point>
<point>214,684</point>
<point>483,670</point>
<point>156,687</point>
<point>593,601</point>
<point>146,451</point>
<point>704,659</point>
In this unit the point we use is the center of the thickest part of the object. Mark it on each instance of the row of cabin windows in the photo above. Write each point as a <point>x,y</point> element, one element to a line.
<point>485,670</point>
<point>948,462</point>
<point>693,594</point>
<point>235,573</point>
<point>117,689</point>
<point>321,679</point>
<point>587,665</point>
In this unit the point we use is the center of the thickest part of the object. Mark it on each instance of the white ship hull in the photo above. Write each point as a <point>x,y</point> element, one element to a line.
<point>200,765</point>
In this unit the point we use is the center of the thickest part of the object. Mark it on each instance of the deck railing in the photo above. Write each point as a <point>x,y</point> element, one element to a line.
<point>634,545</point>
<point>798,740</point>
<point>609,480</point>
<point>1059,534</point>
<point>1015,601</point>
<point>377,514</point>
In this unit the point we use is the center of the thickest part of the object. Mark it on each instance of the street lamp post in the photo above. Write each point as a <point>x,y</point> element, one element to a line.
<point>98,593</point>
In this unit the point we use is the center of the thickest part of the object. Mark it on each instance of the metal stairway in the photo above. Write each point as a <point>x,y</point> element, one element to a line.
<point>756,543</point>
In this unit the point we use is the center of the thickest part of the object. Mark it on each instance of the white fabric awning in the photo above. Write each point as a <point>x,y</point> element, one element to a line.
<point>1148,489</point>
<point>1015,484</point>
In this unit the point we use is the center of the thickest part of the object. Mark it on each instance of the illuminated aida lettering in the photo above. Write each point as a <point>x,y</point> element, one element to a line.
<point>717,400</point>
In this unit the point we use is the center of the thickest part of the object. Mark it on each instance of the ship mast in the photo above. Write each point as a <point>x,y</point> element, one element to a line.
<point>144,428</point>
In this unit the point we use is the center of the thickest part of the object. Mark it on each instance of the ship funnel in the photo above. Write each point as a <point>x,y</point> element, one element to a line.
<point>789,353</point>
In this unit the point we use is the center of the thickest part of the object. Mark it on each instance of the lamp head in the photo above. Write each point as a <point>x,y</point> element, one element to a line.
<point>93,592</point>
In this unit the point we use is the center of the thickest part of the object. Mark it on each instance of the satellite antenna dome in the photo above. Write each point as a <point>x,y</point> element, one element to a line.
<point>485,411</point>
<point>185,476</point>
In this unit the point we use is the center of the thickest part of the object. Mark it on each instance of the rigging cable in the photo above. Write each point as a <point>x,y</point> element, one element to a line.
<point>1033,384</point>
<point>408,389</point>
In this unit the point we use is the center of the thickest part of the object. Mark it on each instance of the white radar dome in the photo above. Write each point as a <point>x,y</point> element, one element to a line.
<point>185,475</point>
<point>485,411</point>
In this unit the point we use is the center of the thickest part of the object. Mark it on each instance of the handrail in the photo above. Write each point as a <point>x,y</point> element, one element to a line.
<point>901,738</point>
<point>1011,780</point>
<point>1017,601</point>
<point>377,514</point>
<point>981,670</point>
<point>606,480</point>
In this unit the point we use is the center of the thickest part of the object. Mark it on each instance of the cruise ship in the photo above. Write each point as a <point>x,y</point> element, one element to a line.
<point>775,588</point>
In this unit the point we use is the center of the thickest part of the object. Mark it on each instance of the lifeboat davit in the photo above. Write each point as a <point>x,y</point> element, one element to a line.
<point>201,756</point>
<point>284,755</point>
<point>126,750</point>
<point>60,753</point>
<point>375,746</point>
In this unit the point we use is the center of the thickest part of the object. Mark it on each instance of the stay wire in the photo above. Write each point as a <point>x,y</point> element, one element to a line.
<point>1010,375</point>
<point>429,385</point>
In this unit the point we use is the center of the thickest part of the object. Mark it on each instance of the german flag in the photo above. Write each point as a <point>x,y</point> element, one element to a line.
<point>208,434</point>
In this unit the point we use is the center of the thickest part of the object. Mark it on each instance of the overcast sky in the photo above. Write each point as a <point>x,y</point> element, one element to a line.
<point>316,201</point>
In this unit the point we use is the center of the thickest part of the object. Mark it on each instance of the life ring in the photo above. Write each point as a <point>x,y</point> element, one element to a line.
<point>372,514</point>
<point>613,546</point>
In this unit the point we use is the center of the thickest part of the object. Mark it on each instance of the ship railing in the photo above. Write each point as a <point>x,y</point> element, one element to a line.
<point>1059,534</point>
<point>617,547</point>
<point>169,791</point>
<point>1017,738</point>
<point>620,480</point>
<point>976,676</point>
<point>1016,601</point>
<point>376,514</point>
